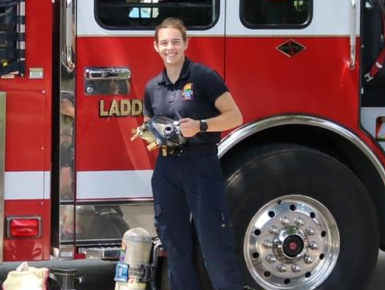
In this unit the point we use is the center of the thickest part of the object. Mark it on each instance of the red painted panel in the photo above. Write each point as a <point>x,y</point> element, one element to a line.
<point>27,140</point>
<point>263,80</point>
<point>104,143</point>
<point>29,100</point>
<point>316,81</point>
<point>38,47</point>
<point>29,249</point>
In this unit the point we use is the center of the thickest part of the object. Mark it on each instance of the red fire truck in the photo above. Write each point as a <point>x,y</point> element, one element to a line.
<point>305,173</point>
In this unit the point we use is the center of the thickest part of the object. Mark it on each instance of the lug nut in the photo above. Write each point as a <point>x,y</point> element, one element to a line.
<point>282,268</point>
<point>313,246</point>
<point>285,221</point>
<point>308,260</point>
<point>273,230</point>
<point>310,231</point>
<point>271,259</point>
<point>268,244</point>
<point>295,268</point>
<point>299,222</point>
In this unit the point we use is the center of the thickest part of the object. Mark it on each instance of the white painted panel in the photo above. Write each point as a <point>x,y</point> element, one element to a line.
<point>113,184</point>
<point>27,185</point>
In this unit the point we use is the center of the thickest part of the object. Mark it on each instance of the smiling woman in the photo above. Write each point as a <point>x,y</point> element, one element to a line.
<point>139,14</point>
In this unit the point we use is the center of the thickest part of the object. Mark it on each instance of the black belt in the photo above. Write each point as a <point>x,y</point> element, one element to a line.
<point>189,150</point>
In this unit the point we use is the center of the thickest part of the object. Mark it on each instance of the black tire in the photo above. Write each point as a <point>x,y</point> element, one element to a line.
<point>257,176</point>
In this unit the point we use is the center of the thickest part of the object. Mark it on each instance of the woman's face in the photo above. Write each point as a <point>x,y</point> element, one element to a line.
<point>171,46</point>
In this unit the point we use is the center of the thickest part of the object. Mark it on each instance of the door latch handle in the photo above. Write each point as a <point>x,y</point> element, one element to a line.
<point>107,80</point>
<point>113,73</point>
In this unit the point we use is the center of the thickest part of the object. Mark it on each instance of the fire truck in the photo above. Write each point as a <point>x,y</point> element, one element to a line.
<point>305,173</point>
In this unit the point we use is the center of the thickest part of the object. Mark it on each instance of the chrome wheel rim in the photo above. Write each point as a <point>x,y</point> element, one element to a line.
<point>292,242</point>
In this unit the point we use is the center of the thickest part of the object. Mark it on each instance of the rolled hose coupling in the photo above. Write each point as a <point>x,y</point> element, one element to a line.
<point>160,131</point>
<point>133,270</point>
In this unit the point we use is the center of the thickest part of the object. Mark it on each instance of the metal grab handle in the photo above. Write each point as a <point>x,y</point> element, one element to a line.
<point>352,63</point>
<point>112,73</point>
<point>68,24</point>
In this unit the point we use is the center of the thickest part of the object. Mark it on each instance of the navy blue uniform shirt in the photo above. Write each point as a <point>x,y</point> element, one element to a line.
<point>192,96</point>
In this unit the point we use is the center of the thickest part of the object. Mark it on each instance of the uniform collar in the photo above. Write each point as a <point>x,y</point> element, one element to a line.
<point>186,68</point>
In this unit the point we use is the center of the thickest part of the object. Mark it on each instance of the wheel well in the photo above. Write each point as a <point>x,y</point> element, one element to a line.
<point>330,143</point>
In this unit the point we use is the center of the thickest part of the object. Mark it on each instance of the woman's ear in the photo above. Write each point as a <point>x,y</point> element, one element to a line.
<point>187,43</point>
<point>156,46</point>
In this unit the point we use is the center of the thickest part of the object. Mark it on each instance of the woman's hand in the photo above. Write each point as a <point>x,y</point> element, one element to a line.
<point>189,127</point>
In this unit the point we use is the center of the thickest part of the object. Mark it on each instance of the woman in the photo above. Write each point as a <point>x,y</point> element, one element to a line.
<point>189,181</point>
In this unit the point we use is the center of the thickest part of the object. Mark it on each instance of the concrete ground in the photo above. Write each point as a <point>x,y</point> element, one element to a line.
<point>378,280</point>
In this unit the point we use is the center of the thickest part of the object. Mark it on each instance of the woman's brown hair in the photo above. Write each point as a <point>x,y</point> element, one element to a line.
<point>172,22</point>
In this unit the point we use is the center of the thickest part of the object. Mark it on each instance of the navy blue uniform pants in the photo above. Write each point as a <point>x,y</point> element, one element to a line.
<point>186,185</point>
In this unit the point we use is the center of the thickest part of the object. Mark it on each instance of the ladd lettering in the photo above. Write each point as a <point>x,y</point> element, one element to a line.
<point>120,108</point>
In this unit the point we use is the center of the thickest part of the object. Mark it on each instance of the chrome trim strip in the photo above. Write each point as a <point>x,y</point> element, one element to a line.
<point>249,129</point>
<point>107,81</point>
<point>119,201</point>
<point>67,98</point>
<point>68,24</point>
<point>101,253</point>
<point>353,24</point>
<point>3,114</point>
<point>67,101</point>
<point>65,252</point>
<point>107,73</point>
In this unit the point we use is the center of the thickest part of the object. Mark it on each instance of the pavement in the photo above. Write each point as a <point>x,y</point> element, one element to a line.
<point>378,279</point>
